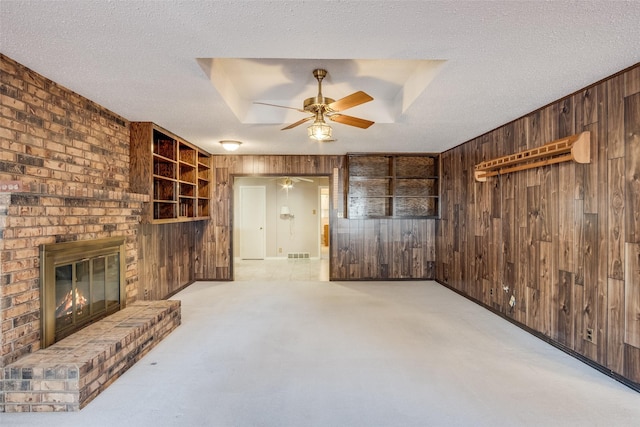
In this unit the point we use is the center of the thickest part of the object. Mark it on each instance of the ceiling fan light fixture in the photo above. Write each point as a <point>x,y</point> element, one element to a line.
<point>320,107</point>
<point>287,184</point>
<point>230,145</point>
<point>319,131</point>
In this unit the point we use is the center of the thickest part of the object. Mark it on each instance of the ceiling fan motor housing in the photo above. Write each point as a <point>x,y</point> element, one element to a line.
<point>315,103</point>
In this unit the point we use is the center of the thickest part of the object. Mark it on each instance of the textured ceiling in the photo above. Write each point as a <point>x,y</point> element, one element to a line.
<point>145,61</point>
<point>394,83</point>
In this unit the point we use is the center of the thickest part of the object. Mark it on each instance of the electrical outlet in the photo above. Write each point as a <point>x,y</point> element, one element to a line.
<point>146,293</point>
<point>589,335</point>
<point>491,291</point>
<point>512,301</point>
<point>279,250</point>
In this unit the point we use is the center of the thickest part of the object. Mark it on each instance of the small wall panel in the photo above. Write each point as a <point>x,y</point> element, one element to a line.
<point>166,260</point>
<point>548,277</point>
<point>562,324</point>
<point>632,294</point>
<point>590,255</point>
<point>566,211</point>
<point>615,117</point>
<point>615,206</point>
<point>615,325</point>
<point>632,168</point>
<point>632,82</point>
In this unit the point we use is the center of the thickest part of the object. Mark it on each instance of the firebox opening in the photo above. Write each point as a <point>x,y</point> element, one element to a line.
<point>81,282</point>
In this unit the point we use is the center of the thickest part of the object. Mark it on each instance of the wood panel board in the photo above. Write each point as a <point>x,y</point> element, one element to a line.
<point>632,82</point>
<point>615,117</point>
<point>591,170</point>
<point>370,268</point>
<point>603,243</point>
<point>565,212</point>
<point>590,255</point>
<point>546,271</point>
<point>632,168</point>
<point>615,325</point>
<point>616,220</point>
<point>632,363</point>
<point>566,117</point>
<point>579,329</point>
<point>632,294</point>
<point>562,324</point>
<point>548,202</point>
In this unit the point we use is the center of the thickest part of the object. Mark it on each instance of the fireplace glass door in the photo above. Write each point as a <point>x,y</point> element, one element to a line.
<point>85,290</point>
<point>81,282</point>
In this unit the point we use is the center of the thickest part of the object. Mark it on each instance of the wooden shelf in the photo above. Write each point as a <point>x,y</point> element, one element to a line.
<point>575,147</point>
<point>175,173</point>
<point>393,185</point>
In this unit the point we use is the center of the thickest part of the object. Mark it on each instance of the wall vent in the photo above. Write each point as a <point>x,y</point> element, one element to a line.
<point>298,255</point>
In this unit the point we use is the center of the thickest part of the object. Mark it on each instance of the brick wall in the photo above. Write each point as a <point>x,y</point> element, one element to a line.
<point>70,159</point>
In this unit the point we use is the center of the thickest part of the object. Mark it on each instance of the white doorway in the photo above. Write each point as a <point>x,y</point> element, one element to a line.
<point>252,222</point>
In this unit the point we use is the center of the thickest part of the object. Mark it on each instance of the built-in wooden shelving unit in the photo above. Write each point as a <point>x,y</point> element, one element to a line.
<point>393,185</point>
<point>175,174</point>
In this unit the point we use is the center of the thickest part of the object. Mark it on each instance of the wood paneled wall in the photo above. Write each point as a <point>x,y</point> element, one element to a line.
<point>379,249</point>
<point>217,250</point>
<point>359,249</point>
<point>562,240</point>
<point>169,256</point>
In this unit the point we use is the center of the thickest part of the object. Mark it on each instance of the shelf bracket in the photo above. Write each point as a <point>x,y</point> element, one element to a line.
<point>574,147</point>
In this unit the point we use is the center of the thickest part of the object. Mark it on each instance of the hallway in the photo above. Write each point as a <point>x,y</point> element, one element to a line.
<point>280,347</point>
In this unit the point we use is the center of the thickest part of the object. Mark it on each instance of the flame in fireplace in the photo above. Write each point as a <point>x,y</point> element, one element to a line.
<point>65,307</point>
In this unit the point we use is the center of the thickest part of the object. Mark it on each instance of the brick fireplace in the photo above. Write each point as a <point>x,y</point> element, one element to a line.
<point>64,179</point>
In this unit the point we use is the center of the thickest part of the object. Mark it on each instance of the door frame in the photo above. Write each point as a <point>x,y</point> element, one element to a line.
<point>320,188</point>
<point>231,210</point>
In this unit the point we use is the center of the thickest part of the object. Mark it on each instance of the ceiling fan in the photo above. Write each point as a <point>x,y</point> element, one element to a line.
<point>287,182</point>
<point>321,108</point>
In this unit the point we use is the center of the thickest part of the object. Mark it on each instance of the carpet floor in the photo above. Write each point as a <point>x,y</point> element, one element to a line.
<point>317,353</point>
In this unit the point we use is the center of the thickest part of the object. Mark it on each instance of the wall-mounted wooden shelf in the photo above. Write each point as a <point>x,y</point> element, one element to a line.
<point>574,147</point>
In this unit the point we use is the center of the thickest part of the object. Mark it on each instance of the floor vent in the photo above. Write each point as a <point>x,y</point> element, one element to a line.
<point>298,255</point>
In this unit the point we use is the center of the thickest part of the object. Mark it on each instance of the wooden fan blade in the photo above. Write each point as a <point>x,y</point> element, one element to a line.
<point>299,122</point>
<point>349,101</point>
<point>351,121</point>
<point>281,106</point>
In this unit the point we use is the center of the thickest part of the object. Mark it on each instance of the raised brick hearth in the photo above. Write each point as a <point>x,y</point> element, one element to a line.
<point>70,373</point>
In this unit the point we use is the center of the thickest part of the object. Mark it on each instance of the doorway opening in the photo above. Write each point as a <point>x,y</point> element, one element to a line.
<point>289,224</point>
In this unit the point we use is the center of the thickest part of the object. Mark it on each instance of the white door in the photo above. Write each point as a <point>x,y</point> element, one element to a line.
<point>252,222</point>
